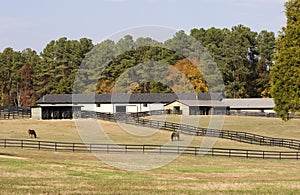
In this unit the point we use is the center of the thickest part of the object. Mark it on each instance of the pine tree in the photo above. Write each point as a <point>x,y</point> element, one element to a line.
<point>285,74</point>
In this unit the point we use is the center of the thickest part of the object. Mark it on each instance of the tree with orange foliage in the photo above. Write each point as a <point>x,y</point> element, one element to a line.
<point>186,77</point>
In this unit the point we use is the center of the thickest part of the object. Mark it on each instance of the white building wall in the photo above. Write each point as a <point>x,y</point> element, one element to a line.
<point>258,110</point>
<point>107,108</point>
<point>36,113</point>
<point>111,108</point>
<point>132,108</point>
<point>183,107</point>
<point>89,107</point>
<point>156,106</point>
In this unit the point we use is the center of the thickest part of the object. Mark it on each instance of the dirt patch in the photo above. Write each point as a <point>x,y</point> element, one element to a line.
<point>12,157</point>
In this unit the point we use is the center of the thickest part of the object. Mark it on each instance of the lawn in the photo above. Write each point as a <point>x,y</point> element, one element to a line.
<point>29,171</point>
<point>44,172</point>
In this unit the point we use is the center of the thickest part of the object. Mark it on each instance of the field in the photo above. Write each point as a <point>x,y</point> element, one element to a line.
<point>28,171</point>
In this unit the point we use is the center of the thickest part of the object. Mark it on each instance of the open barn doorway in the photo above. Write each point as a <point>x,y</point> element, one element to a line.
<point>59,112</point>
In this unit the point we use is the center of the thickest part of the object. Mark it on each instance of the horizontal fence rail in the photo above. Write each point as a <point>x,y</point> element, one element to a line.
<point>145,148</point>
<point>9,112</point>
<point>244,137</point>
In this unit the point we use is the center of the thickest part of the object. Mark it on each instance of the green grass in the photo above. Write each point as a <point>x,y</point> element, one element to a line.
<point>29,171</point>
<point>42,172</point>
<point>273,127</point>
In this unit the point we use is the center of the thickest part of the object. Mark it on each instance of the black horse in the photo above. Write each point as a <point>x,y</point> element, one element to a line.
<point>31,133</point>
<point>175,135</point>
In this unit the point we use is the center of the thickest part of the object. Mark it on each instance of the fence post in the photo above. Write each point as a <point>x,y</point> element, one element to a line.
<point>195,151</point>
<point>4,143</point>
<point>39,145</point>
<point>22,144</point>
<point>263,154</point>
<point>55,146</point>
<point>126,149</point>
<point>143,149</point>
<point>73,147</point>
<point>107,148</point>
<point>280,155</point>
<point>160,150</point>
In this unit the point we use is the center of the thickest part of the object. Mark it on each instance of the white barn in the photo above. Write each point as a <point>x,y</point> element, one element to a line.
<point>197,107</point>
<point>57,106</point>
<point>263,105</point>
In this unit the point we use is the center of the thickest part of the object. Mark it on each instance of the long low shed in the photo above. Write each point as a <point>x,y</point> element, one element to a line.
<point>61,106</point>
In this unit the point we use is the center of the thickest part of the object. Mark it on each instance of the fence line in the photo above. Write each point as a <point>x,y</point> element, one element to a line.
<point>239,136</point>
<point>9,112</point>
<point>146,148</point>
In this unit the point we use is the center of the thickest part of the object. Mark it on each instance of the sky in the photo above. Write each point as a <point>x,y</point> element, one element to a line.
<point>34,23</point>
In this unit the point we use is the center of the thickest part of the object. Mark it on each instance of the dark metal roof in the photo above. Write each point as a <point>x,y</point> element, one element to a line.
<point>250,103</point>
<point>125,98</point>
<point>208,103</point>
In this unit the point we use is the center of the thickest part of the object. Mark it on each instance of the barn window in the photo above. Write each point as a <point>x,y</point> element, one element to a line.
<point>145,105</point>
<point>98,105</point>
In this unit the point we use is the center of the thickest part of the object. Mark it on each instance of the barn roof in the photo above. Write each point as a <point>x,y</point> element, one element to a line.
<point>250,103</point>
<point>125,98</point>
<point>208,103</point>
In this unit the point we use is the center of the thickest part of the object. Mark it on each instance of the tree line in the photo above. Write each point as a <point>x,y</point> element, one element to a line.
<point>243,56</point>
<point>250,64</point>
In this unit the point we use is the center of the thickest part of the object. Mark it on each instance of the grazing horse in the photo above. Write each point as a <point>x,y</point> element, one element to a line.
<point>175,135</point>
<point>31,133</point>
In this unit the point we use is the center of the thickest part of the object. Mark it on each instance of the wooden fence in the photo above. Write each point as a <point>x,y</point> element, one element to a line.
<point>239,136</point>
<point>14,112</point>
<point>147,149</point>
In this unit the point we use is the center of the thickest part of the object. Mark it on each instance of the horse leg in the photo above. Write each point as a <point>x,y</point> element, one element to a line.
<point>173,136</point>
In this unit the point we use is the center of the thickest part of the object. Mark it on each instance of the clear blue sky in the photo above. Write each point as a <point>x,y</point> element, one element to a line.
<point>34,23</point>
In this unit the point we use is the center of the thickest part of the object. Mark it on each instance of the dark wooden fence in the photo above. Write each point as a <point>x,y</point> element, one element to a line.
<point>150,149</point>
<point>14,112</point>
<point>239,136</point>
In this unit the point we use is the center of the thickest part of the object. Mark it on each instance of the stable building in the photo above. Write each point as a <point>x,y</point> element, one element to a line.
<point>67,106</point>
<point>250,105</point>
<point>197,107</point>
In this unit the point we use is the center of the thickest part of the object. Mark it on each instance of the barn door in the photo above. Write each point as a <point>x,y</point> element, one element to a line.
<point>121,109</point>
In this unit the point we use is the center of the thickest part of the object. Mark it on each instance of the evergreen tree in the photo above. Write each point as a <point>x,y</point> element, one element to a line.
<point>285,73</point>
<point>243,56</point>
<point>60,61</point>
<point>266,49</point>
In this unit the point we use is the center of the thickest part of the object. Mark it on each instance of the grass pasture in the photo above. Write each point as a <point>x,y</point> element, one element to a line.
<point>26,171</point>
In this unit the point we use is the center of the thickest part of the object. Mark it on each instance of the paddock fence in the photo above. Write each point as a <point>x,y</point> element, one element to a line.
<point>147,149</point>
<point>239,136</point>
<point>9,112</point>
